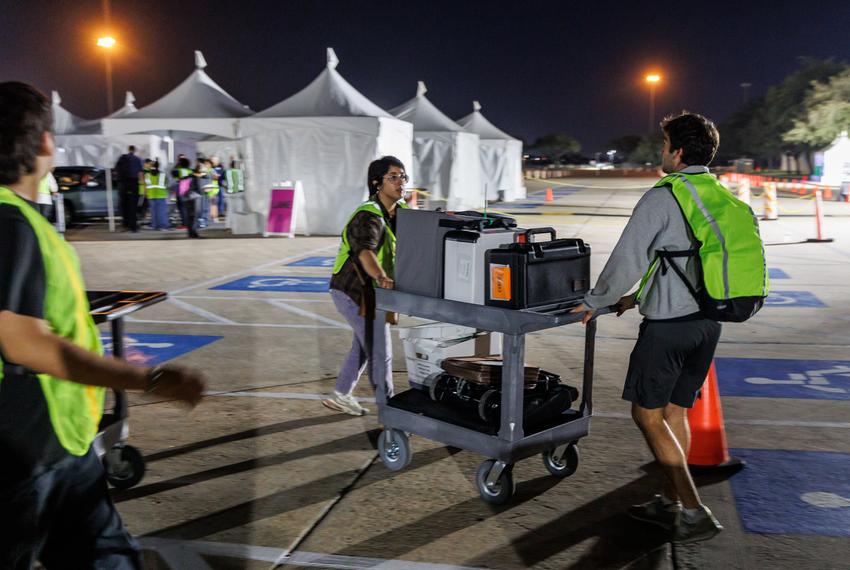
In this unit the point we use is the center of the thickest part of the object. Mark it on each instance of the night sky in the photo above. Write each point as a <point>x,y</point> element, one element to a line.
<point>536,67</point>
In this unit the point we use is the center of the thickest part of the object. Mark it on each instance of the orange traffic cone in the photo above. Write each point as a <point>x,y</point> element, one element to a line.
<point>709,451</point>
<point>550,196</point>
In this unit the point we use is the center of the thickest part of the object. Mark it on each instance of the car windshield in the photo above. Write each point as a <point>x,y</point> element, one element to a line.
<point>72,178</point>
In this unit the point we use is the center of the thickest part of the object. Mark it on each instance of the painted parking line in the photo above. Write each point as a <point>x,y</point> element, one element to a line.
<point>793,492</point>
<point>784,378</point>
<point>774,273</point>
<point>282,283</point>
<point>153,349</point>
<point>313,262</point>
<point>792,299</point>
<point>187,549</point>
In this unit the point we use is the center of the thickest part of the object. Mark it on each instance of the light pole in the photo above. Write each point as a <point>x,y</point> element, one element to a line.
<point>107,43</point>
<point>652,79</point>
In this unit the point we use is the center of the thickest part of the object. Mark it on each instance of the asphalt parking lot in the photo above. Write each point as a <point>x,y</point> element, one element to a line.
<point>262,474</point>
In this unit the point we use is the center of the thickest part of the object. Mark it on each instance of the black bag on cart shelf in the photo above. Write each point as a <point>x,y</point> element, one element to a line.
<point>544,401</point>
<point>537,275</point>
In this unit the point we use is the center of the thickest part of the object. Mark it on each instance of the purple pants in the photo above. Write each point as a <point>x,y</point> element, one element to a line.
<point>355,363</point>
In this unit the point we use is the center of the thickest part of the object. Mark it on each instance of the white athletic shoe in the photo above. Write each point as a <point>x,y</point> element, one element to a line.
<point>345,403</point>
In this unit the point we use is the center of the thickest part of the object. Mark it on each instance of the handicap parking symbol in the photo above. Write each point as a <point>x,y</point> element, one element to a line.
<point>792,299</point>
<point>152,349</point>
<point>280,283</point>
<point>781,378</point>
<point>776,273</point>
<point>313,262</point>
<point>793,492</point>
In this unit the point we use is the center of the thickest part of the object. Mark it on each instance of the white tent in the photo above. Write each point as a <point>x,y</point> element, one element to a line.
<point>836,161</point>
<point>196,108</point>
<point>501,156</point>
<point>445,156</point>
<point>325,136</point>
<point>80,142</point>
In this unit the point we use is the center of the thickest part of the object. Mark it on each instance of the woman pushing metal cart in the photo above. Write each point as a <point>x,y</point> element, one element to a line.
<point>413,411</point>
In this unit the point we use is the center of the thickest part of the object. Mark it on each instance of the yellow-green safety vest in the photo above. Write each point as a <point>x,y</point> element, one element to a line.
<point>155,187</point>
<point>235,180</point>
<point>386,248</point>
<point>74,409</point>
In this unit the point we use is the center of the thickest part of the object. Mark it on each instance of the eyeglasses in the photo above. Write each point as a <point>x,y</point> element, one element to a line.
<point>397,177</point>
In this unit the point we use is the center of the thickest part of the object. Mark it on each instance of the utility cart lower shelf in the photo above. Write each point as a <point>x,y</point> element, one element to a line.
<point>505,442</point>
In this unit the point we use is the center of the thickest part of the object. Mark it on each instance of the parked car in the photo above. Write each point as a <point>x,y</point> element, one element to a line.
<point>83,191</point>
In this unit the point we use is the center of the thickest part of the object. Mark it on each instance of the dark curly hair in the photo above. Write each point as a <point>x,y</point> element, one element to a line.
<point>694,134</point>
<point>378,168</point>
<point>25,115</point>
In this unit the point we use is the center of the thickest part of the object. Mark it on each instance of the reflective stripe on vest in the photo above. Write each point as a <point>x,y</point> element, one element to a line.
<point>74,409</point>
<point>731,251</point>
<point>386,248</point>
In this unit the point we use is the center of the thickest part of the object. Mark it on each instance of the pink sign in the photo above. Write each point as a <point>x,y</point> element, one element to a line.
<point>281,212</point>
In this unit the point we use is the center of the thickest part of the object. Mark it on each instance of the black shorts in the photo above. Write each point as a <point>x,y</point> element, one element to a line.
<point>670,361</point>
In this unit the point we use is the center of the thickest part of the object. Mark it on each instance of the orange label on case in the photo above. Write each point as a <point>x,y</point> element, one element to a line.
<point>500,282</point>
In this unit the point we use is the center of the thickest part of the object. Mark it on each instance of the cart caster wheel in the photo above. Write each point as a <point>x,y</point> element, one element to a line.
<point>435,390</point>
<point>499,492</point>
<point>488,405</point>
<point>394,449</point>
<point>124,466</point>
<point>566,465</point>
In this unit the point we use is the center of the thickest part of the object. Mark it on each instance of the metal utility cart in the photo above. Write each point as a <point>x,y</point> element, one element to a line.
<point>124,464</point>
<point>412,412</point>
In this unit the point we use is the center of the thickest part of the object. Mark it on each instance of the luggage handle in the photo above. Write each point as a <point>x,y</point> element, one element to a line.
<point>525,237</point>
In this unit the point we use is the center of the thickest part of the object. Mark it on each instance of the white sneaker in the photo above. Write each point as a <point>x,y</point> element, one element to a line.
<point>345,403</point>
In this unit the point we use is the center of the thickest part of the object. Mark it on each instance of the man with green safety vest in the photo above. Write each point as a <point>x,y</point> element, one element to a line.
<point>366,259</point>
<point>156,192</point>
<point>676,342</point>
<point>54,503</point>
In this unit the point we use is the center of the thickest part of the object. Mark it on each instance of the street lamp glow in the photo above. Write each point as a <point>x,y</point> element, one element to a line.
<point>653,78</point>
<point>106,42</point>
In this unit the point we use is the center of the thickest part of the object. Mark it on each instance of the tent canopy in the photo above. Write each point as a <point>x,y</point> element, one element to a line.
<point>329,95</point>
<point>423,114</point>
<point>196,98</point>
<point>65,122</point>
<point>477,123</point>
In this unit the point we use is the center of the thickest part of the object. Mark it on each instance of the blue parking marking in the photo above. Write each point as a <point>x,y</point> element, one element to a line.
<point>284,283</point>
<point>793,492</point>
<point>792,299</point>
<point>556,192</point>
<point>781,378</point>
<point>313,262</point>
<point>776,273</point>
<point>153,349</point>
<point>520,206</point>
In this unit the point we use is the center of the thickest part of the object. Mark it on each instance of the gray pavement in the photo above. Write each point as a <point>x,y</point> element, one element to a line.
<point>260,473</point>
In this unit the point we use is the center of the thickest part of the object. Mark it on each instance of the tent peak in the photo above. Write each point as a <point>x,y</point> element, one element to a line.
<point>333,60</point>
<point>129,98</point>
<point>476,106</point>
<point>55,98</point>
<point>200,62</point>
<point>421,89</point>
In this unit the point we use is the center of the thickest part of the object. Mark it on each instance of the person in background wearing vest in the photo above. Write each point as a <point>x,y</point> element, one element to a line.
<point>157,195</point>
<point>235,178</point>
<point>676,343</point>
<point>206,187</point>
<point>181,170</point>
<point>221,181</point>
<point>366,258</point>
<point>54,503</point>
<point>129,171</point>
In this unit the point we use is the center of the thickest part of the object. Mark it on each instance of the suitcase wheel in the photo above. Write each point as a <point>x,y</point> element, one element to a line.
<point>496,492</point>
<point>124,466</point>
<point>394,449</point>
<point>563,460</point>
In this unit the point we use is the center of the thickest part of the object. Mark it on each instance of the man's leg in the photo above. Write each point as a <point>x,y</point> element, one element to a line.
<point>664,445</point>
<point>677,418</point>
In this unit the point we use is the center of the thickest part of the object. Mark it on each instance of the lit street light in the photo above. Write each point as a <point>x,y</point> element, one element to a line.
<point>107,43</point>
<point>652,79</point>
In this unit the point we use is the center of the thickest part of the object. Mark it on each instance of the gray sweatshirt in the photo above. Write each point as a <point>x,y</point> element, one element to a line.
<point>656,223</point>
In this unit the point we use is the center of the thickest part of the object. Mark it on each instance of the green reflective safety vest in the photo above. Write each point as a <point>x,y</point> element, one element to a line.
<point>211,188</point>
<point>44,185</point>
<point>74,409</point>
<point>386,246</point>
<point>184,173</point>
<point>730,252</point>
<point>235,180</point>
<point>155,187</point>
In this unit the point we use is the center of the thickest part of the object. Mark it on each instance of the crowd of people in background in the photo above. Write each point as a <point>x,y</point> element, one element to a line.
<point>150,192</point>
